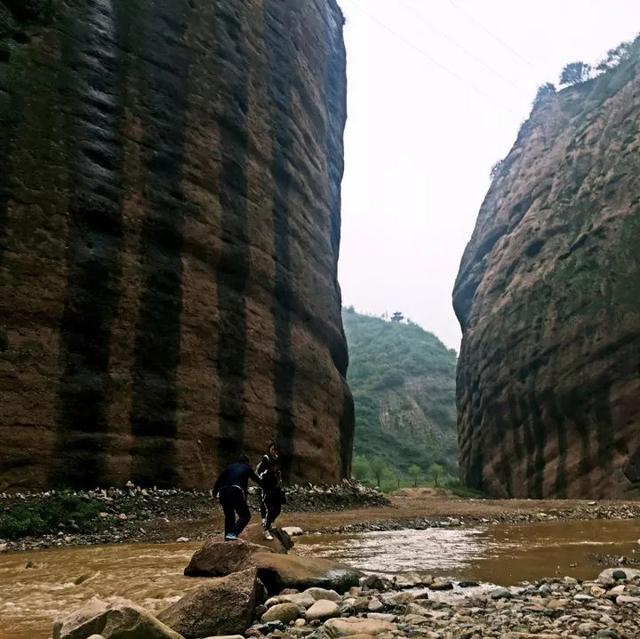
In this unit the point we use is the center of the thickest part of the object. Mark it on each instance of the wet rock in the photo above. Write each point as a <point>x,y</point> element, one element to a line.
<point>283,612</point>
<point>440,583</point>
<point>500,593</point>
<point>619,574</point>
<point>224,606</point>
<point>341,627</point>
<point>322,609</point>
<point>220,558</point>
<point>468,584</point>
<point>291,571</point>
<point>413,580</point>
<point>376,582</point>
<point>114,619</point>
<point>254,534</point>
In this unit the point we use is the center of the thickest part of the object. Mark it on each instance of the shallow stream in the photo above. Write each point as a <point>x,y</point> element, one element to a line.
<point>61,580</point>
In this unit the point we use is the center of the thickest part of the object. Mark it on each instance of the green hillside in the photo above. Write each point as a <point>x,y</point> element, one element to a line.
<point>403,384</point>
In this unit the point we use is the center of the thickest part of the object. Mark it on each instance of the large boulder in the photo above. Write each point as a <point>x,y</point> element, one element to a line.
<point>220,558</point>
<point>291,571</point>
<point>281,541</point>
<point>224,606</point>
<point>113,619</point>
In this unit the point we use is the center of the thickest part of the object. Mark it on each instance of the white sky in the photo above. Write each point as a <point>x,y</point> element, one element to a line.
<point>420,141</point>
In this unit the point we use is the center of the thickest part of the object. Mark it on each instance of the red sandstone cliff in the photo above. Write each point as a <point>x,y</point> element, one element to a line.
<point>169,232</point>
<point>548,296</point>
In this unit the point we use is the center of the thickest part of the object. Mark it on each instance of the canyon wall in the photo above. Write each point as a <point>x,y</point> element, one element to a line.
<point>169,234</point>
<point>548,296</point>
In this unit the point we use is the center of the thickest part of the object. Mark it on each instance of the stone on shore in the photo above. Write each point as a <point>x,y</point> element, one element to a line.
<point>347,627</point>
<point>284,612</point>
<point>301,599</point>
<point>611,575</point>
<point>293,531</point>
<point>322,593</point>
<point>322,609</point>
<point>224,606</point>
<point>116,618</point>
<point>278,572</point>
<point>221,558</point>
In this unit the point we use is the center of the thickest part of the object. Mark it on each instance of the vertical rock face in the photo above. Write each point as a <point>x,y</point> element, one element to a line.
<point>548,296</point>
<point>169,232</point>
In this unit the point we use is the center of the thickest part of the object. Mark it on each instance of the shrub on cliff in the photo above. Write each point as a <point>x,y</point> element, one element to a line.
<point>575,72</point>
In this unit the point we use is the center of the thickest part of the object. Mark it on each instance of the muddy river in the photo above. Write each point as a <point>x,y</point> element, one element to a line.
<point>36,587</point>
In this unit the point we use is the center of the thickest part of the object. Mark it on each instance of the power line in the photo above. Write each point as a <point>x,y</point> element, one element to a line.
<point>433,61</point>
<point>455,43</point>
<point>491,34</point>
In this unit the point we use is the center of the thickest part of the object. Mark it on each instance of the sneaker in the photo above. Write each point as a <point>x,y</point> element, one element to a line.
<point>230,537</point>
<point>264,522</point>
<point>268,536</point>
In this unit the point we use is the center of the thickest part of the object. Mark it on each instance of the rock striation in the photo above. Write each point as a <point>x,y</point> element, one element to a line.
<point>548,297</point>
<point>169,233</point>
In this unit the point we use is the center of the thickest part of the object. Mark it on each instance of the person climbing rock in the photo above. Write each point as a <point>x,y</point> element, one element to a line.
<point>272,493</point>
<point>231,490</point>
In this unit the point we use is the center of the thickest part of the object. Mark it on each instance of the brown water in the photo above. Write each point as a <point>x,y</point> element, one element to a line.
<point>30,598</point>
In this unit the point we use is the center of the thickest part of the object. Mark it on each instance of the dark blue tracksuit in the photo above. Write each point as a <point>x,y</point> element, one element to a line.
<point>231,489</point>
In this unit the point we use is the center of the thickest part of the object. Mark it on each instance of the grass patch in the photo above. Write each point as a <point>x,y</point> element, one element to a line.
<point>460,490</point>
<point>61,512</point>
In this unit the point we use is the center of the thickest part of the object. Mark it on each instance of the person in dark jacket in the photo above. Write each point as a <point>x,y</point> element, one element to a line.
<point>231,490</point>
<point>272,494</point>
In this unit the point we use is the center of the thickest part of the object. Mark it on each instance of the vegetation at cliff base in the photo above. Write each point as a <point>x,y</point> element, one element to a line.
<point>403,383</point>
<point>62,512</point>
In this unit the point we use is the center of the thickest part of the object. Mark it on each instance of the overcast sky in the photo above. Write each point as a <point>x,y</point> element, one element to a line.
<point>437,92</point>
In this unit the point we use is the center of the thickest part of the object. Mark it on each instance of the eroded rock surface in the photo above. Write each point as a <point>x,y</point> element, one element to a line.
<point>169,230</point>
<point>223,606</point>
<point>548,296</point>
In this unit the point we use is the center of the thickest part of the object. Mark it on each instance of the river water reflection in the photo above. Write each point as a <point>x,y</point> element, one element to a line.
<point>501,554</point>
<point>151,575</point>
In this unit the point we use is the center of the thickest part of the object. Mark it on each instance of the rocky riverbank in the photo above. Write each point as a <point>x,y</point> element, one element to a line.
<point>265,593</point>
<point>587,511</point>
<point>137,514</point>
<point>607,607</point>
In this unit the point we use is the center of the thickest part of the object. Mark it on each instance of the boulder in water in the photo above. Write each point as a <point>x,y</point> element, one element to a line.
<point>224,606</point>
<point>221,558</point>
<point>116,618</point>
<point>291,571</point>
